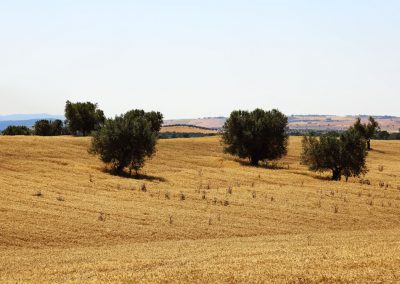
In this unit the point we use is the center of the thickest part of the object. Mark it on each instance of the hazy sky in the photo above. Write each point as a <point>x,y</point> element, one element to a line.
<point>201,58</point>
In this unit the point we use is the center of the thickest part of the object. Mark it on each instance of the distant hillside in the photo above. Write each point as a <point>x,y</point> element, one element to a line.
<point>7,120</point>
<point>208,122</point>
<point>187,129</point>
<point>301,122</point>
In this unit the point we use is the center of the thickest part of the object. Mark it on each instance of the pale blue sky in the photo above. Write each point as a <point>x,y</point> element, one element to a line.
<point>201,58</point>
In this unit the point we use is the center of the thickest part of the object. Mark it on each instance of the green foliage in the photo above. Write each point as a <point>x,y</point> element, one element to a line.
<point>258,135</point>
<point>46,127</point>
<point>57,127</point>
<point>344,155</point>
<point>367,130</point>
<point>17,130</point>
<point>42,128</point>
<point>83,117</point>
<point>127,140</point>
<point>382,135</point>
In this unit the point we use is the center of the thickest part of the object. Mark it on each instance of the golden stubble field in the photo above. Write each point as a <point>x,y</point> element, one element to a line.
<point>198,216</point>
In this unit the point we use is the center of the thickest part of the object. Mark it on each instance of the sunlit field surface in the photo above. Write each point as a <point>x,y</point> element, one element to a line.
<point>196,215</point>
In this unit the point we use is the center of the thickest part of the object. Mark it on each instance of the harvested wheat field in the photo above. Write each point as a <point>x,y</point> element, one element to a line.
<point>197,215</point>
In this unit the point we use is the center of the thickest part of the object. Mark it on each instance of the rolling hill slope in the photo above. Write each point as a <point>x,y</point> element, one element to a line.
<point>197,215</point>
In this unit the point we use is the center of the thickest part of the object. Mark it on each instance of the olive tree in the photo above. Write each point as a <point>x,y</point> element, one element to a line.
<point>127,140</point>
<point>46,127</point>
<point>344,155</point>
<point>257,135</point>
<point>367,130</point>
<point>83,117</point>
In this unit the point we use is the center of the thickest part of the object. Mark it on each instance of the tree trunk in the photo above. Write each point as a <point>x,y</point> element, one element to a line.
<point>254,161</point>
<point>119,169</point>
<point>369,144</point>
<point>336,174</point>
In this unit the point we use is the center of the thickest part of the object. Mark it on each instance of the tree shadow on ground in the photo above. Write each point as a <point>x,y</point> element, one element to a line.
<point>263,165</point>
<point>377,151</point>
<point>139,176</point>
<point>313,175</point>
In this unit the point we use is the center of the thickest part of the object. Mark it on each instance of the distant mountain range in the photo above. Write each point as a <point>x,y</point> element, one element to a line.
<point>27,120</point>
<point>16,117</point>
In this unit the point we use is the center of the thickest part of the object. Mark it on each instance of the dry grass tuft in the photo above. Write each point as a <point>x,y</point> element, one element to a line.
<point>38,194</point>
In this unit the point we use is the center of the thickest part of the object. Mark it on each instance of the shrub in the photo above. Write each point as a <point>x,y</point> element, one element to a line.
<point>258,135</point>
<point>127,140</point>
<point>17,130</point>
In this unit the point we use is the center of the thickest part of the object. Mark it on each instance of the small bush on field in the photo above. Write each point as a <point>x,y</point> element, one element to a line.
<point>335,208</point>
<point>365,181</point>
<point>102,216</point>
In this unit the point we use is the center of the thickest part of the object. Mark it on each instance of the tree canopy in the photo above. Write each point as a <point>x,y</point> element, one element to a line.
<point>46,127</point>
<point>344,155</point>
<point>367,130</point>
<point>258,135</point>
<point>16,130</point>
<point>83,117</point>
<point>127,140</point>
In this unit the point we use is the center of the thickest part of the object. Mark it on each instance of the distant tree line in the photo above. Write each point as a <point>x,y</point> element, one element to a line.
<point>384,135</point>
<point>17,130</point>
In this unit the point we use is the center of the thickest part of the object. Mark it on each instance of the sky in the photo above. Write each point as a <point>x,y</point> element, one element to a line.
<point>200,58</point>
